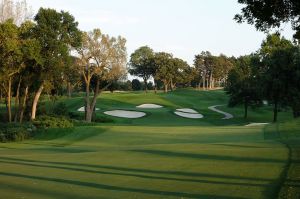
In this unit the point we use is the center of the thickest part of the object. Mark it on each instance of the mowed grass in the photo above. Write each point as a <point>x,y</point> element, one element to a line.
<point>158,156</point>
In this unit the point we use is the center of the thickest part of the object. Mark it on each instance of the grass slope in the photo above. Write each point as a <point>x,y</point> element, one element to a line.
<point>158,156</point>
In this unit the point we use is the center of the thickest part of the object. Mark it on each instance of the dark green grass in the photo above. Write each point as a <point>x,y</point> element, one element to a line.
<point>158,156</point>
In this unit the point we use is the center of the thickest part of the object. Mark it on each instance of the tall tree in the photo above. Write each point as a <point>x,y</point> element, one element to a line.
<point>59,34</point>
<point>10,59</point>
<point>101,58</point>
<point>277,56</point>
<point>164,66</point>
<point>242,84</point>
<point>141,63</point>
<point>267,14</point>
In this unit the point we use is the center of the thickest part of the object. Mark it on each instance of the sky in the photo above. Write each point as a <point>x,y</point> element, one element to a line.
<point>181,27</point>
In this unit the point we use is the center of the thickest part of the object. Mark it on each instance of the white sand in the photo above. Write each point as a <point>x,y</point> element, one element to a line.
<point>256,124</point>
<point>125,114</point>
<point>81,109</point>
<point>149,106</point>
<point>189,115</point>
<point>186,110</point>
<point>227,115</point>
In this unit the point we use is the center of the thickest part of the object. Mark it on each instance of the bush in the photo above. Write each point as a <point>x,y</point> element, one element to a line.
<point>15,132</point>
<point>76,116</point>
<point>45,122</point>
<point>60,109</point>
<point>102,119</point>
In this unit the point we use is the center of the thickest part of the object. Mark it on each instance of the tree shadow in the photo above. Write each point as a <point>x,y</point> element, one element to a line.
<point>118,188</point>
<point>121,173</point>
<point>208,157</point>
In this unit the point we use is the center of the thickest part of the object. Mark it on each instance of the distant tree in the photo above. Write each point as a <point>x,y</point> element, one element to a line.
<point>103,59</point>
<point>270,14</point>
<point>242,85</point>
<point>136,85</point>
<point>141,64</point>
<point>164,66</point>
<point>181,73</point>
<point>127,85</point>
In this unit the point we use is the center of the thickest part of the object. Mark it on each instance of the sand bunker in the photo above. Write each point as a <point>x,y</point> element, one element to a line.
<point>227,115</point>
<point>256,124</point>
<point>81,109</point>
<point>189,115</point>
<point>186,110</point>
<point>125,114</point>
<point>149,106</point>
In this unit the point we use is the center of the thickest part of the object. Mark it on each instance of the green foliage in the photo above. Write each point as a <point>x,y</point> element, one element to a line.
<point>102,119</point>
<point>141,63</point>
<point>266,15</point>
<point>242,85</point>
<point>136,85</point>
<point>15,132</point>
<point>61,109</point>
<point>46,122</point>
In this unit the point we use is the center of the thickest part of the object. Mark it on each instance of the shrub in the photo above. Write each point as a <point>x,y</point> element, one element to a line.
<point>15,132</point>
<point>60,109</point>
<point>102,119</point>
<point>45,122</point>
<point>76,116</point>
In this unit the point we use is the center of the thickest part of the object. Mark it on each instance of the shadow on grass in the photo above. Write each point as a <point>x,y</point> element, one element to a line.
<point>209,157</point>
<point>133,170</point>
<point>248,184</point>
<point>116,188</point>
<point>41,192</point>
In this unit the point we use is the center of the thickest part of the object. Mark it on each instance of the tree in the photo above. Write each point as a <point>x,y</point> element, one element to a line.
<point>294,83</point>
<point>141,64</point>
<point>59,34</point>
<point>277,57</point>
<point>270,14</point>
<point>103,59</point>
<point>10,59</point>
<point>164,66</point>
<point>242,85</point>
<point>136,85</point>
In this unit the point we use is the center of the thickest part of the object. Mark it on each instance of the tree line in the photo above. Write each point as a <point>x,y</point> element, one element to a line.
<point>208,71</point>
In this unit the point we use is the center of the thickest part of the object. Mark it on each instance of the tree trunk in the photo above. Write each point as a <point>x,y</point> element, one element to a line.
<point>210,80</point>
<point>35,101</point>
<point>69,87</point>
<point>145,84</point>
<point>166,87</point>
<point>171,85</point>
<point>203,83</point>
<point>155,87</point>
<point>23,104</point>
<point>9,99</point>
<point>17,101</point>
<point>246,108</point>
<point>275,110</point>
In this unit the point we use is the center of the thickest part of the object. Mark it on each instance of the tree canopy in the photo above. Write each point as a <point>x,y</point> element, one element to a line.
<point>267,14</point>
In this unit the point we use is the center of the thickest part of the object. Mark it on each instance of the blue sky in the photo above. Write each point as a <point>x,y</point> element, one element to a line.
<point>181,27</point>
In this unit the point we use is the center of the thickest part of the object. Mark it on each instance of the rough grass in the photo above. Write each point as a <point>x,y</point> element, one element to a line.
<point>158,156</point>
